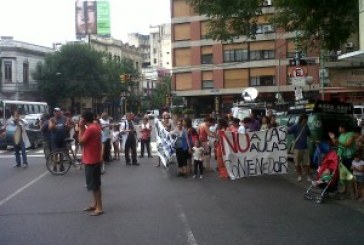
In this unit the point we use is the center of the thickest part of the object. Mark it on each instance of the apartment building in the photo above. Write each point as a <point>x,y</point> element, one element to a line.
<point>18,61</point>
<point>160,46</point>
<point>345,67</point>
<point>142,42</point>
<point>213,74</point>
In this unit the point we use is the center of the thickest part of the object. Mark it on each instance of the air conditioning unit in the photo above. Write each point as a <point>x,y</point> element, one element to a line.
<point>349,45</point>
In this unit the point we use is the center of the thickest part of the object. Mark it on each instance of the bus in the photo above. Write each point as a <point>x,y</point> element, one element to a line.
<point>25,108</point>
<point>7,108</point>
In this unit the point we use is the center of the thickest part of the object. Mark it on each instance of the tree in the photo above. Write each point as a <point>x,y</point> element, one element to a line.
<point>75,71</point>
<point>329,21</point>
<point>161,92</point>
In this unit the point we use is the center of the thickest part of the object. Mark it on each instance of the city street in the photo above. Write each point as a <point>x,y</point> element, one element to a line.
<point>148,205</point>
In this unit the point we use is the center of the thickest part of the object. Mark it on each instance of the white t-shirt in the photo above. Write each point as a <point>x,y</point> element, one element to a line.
<point>198,153</point>
<point>115,136</point>
<point>358,164</point>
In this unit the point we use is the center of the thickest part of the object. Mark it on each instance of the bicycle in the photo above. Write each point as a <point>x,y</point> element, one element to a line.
<point>61,160</point>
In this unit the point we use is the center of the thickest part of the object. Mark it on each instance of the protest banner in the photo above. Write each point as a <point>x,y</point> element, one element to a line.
<point>165,144</point>
<point>255,153</point>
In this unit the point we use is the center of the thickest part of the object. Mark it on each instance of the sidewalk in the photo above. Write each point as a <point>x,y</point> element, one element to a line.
<point>291,177</point>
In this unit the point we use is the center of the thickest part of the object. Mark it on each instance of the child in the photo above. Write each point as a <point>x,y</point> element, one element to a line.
<point>358,171</point>
<point>115,141</point>
<point>198,157</point>
<point>324,178</point>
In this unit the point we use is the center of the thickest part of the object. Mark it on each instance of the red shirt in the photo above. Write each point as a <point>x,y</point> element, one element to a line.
<point>91,145</point>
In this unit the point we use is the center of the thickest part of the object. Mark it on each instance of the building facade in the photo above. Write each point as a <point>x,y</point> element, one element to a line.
<point>211,75</point>
<point>18,62</point>
<point>345,67</point>
<point>142,43</point>
<point>160,46</point>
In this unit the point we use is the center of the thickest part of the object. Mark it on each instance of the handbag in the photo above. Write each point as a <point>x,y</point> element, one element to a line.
<point>18,135</point>
<point>344,174</point>
<point>291,148</point>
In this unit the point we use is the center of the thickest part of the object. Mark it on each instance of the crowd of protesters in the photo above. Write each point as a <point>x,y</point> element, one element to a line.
<point>194,146</point>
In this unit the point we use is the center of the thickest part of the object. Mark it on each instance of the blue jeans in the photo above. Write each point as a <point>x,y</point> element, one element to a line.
<point>18,148</point>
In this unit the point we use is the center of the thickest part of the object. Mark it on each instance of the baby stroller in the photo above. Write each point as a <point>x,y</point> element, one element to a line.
<point>327,182</point>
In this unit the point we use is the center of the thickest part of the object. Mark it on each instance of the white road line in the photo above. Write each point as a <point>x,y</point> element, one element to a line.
<point>18,191</point>
<point>189,234</point>
<point>190,237</point>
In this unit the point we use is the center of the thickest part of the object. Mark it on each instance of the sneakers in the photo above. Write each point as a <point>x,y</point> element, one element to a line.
<point>201,177</point>
<point>25,165</point>
<point>299,179</point>
<point>309,179</point>
<point>194,176</point>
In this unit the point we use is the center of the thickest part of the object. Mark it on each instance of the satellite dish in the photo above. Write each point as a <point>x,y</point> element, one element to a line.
<point>249,94</point>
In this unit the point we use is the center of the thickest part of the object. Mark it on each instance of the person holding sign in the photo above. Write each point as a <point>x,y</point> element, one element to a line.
<point>301,152</point>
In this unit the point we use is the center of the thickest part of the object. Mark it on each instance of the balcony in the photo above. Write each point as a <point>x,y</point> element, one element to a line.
<point>18,87</point>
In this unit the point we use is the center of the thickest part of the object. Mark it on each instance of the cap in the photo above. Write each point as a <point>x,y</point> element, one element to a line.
<point>57,109</point>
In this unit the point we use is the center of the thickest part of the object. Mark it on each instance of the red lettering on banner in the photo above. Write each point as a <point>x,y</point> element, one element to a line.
<point>247,139</point>
<point>233,145</point>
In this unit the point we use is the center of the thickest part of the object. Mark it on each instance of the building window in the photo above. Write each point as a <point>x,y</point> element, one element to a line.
<point>155,60</point>
<point>262,81</point>
<point>241,55</point>
<point>25,72</point>
<point>207,84</point>
<point>206,59</point>
<point>262,54</point>
<point>235,55</point>
<point>8,71</point>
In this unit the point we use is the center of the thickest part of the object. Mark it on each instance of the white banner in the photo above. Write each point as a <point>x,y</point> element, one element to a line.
<point>165,144</point>
<point>255,153</point>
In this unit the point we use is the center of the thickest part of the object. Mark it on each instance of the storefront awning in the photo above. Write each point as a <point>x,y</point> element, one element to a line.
<point>356,56</point>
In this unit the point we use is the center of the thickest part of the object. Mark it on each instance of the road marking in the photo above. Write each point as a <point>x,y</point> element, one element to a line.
<point>190,237</point>
<point>21,189</point>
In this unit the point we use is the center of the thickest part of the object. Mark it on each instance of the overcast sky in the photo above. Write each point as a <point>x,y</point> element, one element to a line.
<point>44,22</point>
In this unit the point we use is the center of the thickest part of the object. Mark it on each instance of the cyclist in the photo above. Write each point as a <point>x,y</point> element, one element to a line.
<point>59,127</point>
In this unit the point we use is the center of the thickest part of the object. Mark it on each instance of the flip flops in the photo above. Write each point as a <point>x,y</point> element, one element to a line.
<point>96,213</point>
<point>89,208</point>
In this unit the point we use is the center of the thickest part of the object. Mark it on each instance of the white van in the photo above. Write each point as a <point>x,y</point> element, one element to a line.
<point>358,113</point>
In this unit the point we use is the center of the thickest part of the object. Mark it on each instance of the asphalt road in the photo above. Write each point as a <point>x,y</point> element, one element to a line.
<point>149,205</point>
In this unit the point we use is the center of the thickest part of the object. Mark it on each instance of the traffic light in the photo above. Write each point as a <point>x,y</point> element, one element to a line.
<point>297,62</point>
<point>125,78</point>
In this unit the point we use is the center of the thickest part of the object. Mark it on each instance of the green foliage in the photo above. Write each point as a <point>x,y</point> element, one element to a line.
<point>162,89</point>
<point>177,110</point>
<point>189,111</point>
<point>329,21</point>
<point>76,70</point>
<point>229,18</point>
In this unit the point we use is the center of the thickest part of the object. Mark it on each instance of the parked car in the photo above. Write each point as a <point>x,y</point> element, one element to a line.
<point>33,131</point>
